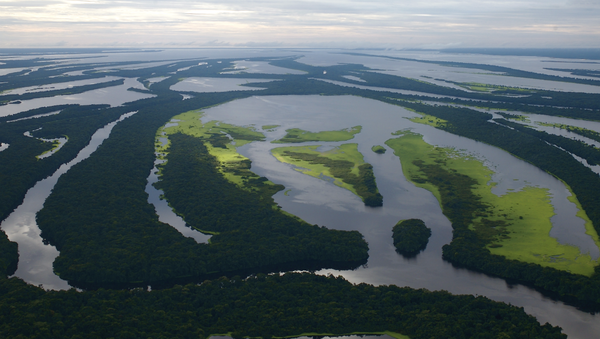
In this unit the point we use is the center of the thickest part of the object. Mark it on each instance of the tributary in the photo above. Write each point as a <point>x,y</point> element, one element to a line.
<point>36,257</point>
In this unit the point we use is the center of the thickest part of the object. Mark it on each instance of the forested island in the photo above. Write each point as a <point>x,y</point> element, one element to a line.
<point>410,236</point>
<point>114,248</point>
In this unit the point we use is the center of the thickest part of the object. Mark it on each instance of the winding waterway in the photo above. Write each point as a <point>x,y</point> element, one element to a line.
<point>36,257</point>
<point>320,202</point>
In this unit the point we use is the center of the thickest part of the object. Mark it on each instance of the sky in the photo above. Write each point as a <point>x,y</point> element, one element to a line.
<point>300,23</point>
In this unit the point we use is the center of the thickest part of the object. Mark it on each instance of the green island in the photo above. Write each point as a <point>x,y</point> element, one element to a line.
<point>515,225</point>
<point>269,128</point>
<point>514,117</point>
<point>378,149</point>
<point>588,133</point>
<point>296,135</point>
<point>480,87</point>
<point>410,236</point>
<point>56,144</point>
<point>344,164</point>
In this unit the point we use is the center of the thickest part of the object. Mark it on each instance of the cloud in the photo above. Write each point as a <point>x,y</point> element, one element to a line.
<point>299,23</point>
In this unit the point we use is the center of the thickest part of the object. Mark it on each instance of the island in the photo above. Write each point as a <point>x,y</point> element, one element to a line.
<point>410,236</point>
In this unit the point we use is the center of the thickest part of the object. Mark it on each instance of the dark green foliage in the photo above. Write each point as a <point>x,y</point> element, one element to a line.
<point>364,182</point>
<point>9,255</point>
<point>19,167</point>
<point>99,219</point>
<point>378,149</point>
<point>260,306</point>
<point>410,236</point>
<point>467,248</point>
<point>66,91</point>
<point>588,152</point>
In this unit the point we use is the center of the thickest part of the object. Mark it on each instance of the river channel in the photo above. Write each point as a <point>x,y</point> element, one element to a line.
<point>320,202</point>
<point>36,257</point>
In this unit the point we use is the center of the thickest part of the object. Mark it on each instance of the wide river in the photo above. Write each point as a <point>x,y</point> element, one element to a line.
<point>320,202</point>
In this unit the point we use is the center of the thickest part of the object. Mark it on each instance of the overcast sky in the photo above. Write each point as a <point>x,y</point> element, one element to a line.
<point>300,23</point>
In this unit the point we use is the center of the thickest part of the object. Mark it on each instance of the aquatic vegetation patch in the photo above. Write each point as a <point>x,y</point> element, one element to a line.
<point>344,166</point>
<point>269,128</point>
<point>588,133</point>
<point>515,225</point>
<point>430,120</point>
<point>222,141</point>
<point>479,87</point>
<point>378,149</point>
<point>297,135</point>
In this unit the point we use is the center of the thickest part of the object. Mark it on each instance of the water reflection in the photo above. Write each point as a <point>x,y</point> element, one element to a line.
<point>319,202</point>
<point>203,85</point>
<point>114,96</point>
<point>165,212</point>
<point>35,257</point>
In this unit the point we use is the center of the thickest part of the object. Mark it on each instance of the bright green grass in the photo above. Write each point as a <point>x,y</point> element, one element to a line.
<point>479,87</point>
<point>526,213</point>
<point>429,120</point>
<point>229,159</point>
<point>515,117</point>
<point>579,130</point>
<point>269,128</point>
<point>295,135</point>
<point>348,152</point>
<point>55,144</point>
<point>378,149</point>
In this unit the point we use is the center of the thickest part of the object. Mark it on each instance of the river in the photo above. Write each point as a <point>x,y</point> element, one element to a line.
<point>320,202</point>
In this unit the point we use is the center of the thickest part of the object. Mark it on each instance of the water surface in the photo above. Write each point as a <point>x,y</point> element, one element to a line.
<point>322,203</point>
<point>36,257</point>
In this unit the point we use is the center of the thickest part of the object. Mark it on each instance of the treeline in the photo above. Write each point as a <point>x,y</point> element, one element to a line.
<point>107,233</point>
<point>259,306</point>
<point>588,152</point>
<point>65,91</point>
<point>19,167</point>
<point>364,183</point>
<point>467,249</point>
<point>410,236</point>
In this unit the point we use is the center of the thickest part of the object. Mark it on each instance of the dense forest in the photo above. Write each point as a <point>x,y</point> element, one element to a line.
<point>467,249</point>
<point>410,236</point>
<point>258,306</point>
<point>110,239</point>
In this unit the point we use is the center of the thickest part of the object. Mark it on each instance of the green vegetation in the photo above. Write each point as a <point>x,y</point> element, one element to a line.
<point>344,164</point>
<point>56,144</point>
<point>378,149</point>
<point>479,87</point>
<point>515,117</point>
<point>272,306</point>
<point>426,119</point>
<point>410,236</point>
<point>222,140</point>
<point>109,236</point>
<point>468,250</point>
<point>590,153</point>
<point>516,225</point>
<point>579,130</point>
<point>296,135</point>
<point>270,128</point>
